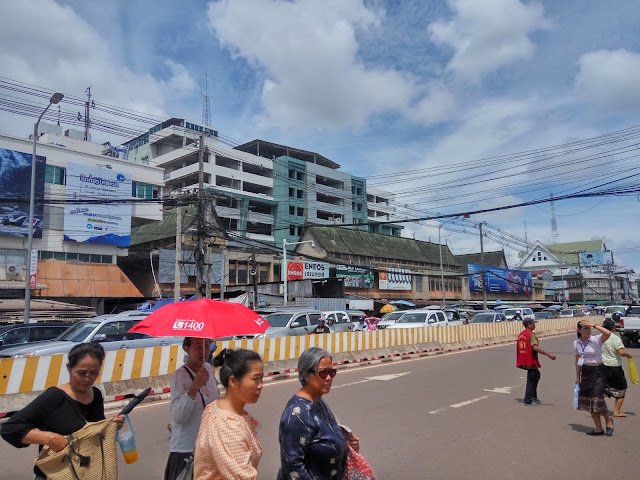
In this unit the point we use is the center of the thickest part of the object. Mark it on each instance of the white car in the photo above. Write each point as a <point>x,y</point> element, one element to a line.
<point>511,313</point>
<point>389,319</point>
<point>421,318</point>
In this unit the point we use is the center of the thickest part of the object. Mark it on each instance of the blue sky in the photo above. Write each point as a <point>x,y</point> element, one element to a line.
<point>429,88</point>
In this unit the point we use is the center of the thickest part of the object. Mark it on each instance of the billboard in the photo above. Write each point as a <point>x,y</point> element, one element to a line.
<point>498,280</point>
<point>355,277</point>
<point>394,279</point>
<point>86,218</point>
<point>15,187</point>
<point>307,270</point>
<point>592,259</point>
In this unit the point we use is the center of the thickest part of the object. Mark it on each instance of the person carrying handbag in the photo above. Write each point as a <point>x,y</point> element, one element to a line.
<point>60,411</point>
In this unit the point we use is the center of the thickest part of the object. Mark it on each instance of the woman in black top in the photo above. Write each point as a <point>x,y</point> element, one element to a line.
<point>61,410</point>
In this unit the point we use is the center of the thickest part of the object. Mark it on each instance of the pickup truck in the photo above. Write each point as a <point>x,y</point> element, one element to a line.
<point>629,328</point>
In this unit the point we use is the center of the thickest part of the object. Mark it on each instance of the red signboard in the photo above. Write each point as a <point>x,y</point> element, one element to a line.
<point>295,270</point>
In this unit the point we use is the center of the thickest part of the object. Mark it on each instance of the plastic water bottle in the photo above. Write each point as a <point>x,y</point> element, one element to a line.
<point>127,441</point>
<point>576,394</point>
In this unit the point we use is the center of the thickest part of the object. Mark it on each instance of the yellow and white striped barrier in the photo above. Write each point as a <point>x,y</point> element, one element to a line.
<point>23,375</point>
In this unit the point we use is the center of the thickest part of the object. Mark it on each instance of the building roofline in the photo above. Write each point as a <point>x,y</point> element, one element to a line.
<point>276,148</point>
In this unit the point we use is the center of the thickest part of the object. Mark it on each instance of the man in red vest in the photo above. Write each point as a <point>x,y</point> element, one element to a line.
<point>527,350</point>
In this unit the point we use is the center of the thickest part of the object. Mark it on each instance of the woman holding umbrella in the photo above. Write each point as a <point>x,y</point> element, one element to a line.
<point>193,387</point>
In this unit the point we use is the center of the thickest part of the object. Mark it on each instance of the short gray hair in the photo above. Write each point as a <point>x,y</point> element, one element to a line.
<point>308,363</point>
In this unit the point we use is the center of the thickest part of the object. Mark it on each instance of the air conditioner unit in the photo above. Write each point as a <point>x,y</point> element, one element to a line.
<point>15,272</point>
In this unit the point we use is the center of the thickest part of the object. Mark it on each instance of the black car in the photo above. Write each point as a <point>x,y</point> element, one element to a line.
<point>20,333</point>
<point>543,315</point>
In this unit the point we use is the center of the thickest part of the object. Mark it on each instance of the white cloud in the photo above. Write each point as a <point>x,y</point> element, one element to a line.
<point>610,77</point>
<point>50,45</point>
<point>308,52</point>
<point>438,105</point>
<point>487,35</point>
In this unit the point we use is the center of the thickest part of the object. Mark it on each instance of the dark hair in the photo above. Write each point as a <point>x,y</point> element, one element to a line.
<point>187,341</point>
<point>234,363</point>
<point>579,326</point>
<point>609,324</point>
<point>78,352</point>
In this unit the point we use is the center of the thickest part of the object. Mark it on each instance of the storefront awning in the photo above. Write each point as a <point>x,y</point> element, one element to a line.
<point>79,279</point>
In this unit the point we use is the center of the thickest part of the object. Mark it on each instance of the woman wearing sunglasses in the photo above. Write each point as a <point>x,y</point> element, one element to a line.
<point>312,444</point>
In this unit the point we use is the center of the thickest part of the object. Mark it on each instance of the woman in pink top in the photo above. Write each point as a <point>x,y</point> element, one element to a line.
<point>591,375</point>
<point>227,446</point>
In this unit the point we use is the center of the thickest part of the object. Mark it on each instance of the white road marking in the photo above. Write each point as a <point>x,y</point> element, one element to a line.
<point>433,412</point>
<point>468,402</point>
<point>383,378</point>
<point>499,389</point>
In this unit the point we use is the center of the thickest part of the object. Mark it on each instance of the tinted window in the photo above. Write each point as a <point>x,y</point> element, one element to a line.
<point>313,318</point>
<point>16,336</point>
<point>412,318</point>
<point>278,319</point>
<point>79,332</point>
<point>440,316</point>
<point>39,334</point>
<point>331,316</point>
<point>512,311</point>
<point>566,312</point>
<point>483,318</point>
<point>115,331</point>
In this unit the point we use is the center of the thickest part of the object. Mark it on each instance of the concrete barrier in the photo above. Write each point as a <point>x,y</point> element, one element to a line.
<point>127,372</point>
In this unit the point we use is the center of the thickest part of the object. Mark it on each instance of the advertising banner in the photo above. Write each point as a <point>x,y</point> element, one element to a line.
<point>15,185</point>
<point>498,280</point>
<point>394,279</point>
<point>591,259</point>
<point>86,221</point>
<point>355,277</point>
<point>307,270</point>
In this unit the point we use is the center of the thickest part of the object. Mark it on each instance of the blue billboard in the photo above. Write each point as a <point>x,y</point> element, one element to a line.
<point>15,187</point>
<point>595,258</point>
<point>498,280</point>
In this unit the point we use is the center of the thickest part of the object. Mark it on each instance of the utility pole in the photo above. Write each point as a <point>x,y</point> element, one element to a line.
<point>254,275</point>
<point>484,272</point>
<point>223,273</point>
<point>176,281</point>
<point>200,222</point>
<point>208,280</point>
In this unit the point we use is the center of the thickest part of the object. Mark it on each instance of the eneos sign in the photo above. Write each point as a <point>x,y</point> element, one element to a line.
<point>307,270</point>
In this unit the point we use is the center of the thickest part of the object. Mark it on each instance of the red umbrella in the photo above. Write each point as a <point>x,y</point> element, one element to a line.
<point>202,318</point>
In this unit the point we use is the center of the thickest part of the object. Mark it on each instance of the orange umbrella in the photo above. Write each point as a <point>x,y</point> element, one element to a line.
<point>388,308</point>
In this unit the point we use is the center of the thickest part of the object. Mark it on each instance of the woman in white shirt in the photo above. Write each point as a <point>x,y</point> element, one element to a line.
<point>591,375</point>
<point>193,387</point>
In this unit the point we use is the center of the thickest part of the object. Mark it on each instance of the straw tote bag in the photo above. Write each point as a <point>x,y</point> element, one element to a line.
<point>90,455</point>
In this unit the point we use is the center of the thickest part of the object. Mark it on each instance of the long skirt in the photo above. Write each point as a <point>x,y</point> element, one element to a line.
<point>593,381</point>
<point>616,382</point>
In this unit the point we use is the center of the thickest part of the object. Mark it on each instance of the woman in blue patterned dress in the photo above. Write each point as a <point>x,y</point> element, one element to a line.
<point>313,446</point>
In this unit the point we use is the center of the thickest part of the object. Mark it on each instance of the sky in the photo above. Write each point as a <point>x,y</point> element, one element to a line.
<point>453,105</point>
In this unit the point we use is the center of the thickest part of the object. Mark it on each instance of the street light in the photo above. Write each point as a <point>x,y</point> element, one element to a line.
<point>55,98</point>
<point>284,262</point>
<point>441,268</point>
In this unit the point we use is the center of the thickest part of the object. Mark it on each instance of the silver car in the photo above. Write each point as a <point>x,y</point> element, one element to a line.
<point>291,323</point>
<point>112,331</point>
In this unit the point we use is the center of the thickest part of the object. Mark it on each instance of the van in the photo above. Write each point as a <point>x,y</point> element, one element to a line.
<point>294,323</point>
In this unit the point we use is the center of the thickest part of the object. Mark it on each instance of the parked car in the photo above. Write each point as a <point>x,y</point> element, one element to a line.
<point>389,319</point>
<point>488,317</point>
<point>629,326</point>
<point>622,309</point>
<point>28,333</point>
<point>338,321</point>
<point>568,313</point>
<point>543,315</point>
<point>421,318</point>
<point>112,331</point>
<point>292,323</point>
<point>524,312</point>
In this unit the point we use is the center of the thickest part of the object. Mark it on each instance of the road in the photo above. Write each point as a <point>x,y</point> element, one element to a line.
<point>452,416</point>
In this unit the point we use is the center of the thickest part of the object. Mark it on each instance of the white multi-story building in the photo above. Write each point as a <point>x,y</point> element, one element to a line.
<point>72,265</point>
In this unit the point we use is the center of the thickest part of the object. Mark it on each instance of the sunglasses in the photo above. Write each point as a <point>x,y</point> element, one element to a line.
<point>326,372</point>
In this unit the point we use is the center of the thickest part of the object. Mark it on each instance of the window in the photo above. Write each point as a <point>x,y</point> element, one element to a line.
<point>292,173</point>
<point>16,336</point>
<point>292,192</point>
<point>143,190</point>
<point>299,194</point>
<point>55,175</point>
<point>300,212</point>
<point>418,283</point>
<point>292,210</point>
<point>299,176</point>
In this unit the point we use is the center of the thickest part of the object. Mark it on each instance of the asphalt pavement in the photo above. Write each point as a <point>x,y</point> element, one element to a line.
<point>447,416</point>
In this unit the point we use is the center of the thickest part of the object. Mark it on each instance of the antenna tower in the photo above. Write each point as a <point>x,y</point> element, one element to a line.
<point>206,108</point>
<point>87,120</point>
<point>555,236</point>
